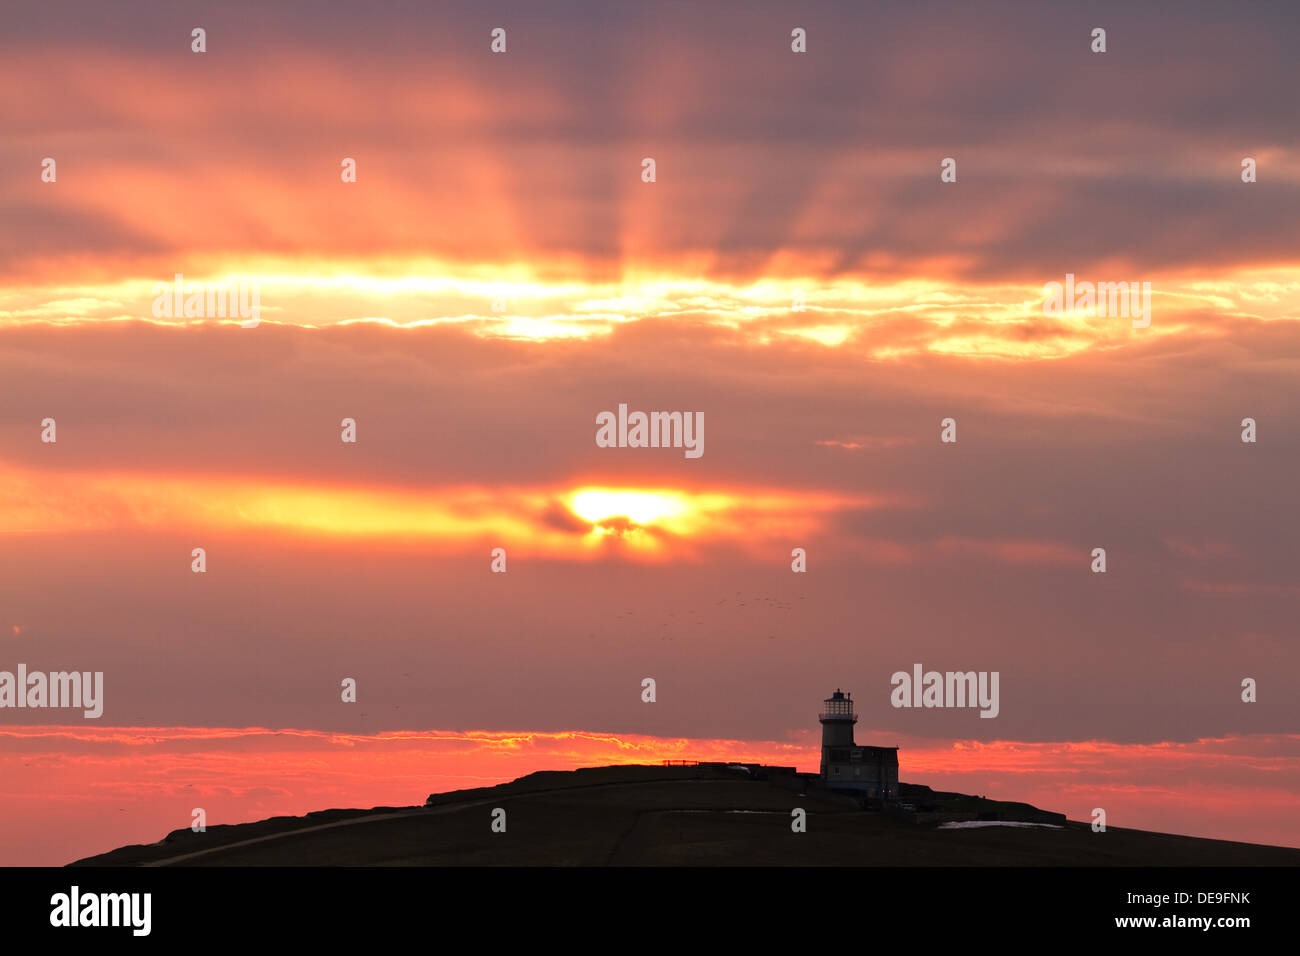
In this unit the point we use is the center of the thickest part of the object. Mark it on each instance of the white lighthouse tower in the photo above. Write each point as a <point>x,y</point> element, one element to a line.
<point>837,719</point>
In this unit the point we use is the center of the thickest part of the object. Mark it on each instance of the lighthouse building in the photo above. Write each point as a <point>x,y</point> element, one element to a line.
<point>871,772</point>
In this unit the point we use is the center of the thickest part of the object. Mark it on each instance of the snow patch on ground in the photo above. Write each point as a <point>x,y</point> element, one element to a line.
<point>973,824</point>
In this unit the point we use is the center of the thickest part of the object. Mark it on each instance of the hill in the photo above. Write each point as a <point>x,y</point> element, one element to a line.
<point>707,815</point>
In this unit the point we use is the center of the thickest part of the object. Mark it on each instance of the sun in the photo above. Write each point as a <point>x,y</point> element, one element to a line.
<point>642,507</point>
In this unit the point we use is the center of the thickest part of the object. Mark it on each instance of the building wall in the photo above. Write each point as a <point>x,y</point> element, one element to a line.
<point>872,771</point>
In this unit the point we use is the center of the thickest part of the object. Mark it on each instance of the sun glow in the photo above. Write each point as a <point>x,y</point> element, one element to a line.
<point>599,505</point>
<point>884,320</point>
<point>646,520</point>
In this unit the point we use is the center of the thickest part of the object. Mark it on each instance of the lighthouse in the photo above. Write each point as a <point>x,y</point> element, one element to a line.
<point>837,720</point>
<point>870,772</point>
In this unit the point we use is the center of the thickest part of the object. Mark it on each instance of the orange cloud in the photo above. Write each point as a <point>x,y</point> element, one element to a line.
<point>556,521</point>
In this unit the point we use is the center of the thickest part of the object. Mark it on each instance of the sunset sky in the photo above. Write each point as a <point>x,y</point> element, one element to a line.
<point>515,180</point>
